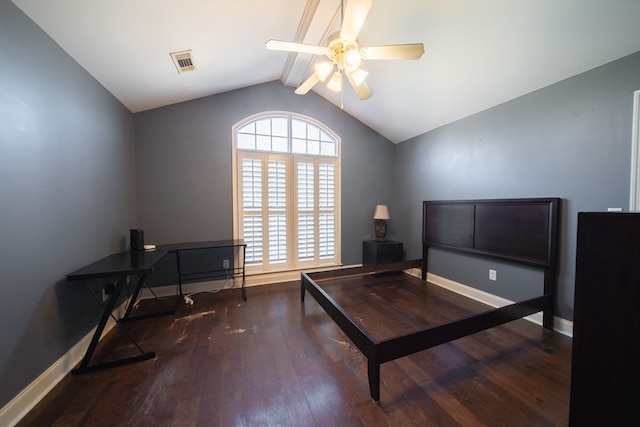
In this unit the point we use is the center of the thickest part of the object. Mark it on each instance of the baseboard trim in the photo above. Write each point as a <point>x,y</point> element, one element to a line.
<point>20,405</point>
<point>560,325</point>
<point>232,283</point>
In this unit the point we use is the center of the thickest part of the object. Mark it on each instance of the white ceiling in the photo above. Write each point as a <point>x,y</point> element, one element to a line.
<point>477,53</point>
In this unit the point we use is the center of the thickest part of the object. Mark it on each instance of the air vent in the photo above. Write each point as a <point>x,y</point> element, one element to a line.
<point>184,61</point>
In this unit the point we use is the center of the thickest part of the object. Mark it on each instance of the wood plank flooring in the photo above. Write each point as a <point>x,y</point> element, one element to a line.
<point>273,361</point>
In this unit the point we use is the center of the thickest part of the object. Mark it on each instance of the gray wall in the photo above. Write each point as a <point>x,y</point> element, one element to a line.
<point>183,164</point>
<point>67,196</point>
<point>69,173</point>
<point>570,140</point>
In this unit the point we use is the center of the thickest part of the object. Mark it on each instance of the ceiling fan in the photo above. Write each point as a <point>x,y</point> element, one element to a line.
<point>344,54</point>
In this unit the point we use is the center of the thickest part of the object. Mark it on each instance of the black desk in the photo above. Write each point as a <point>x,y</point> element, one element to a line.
<point>137,265</point>
<point>234,270</point>
<point>119,266</point>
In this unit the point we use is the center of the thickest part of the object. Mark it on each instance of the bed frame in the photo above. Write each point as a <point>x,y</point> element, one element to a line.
<point>523,231</point>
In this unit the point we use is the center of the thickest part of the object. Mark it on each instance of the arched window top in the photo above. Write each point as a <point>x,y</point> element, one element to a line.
<point>286,133</point>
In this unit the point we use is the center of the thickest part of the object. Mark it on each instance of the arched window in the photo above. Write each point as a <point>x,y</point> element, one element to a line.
<point>287,192</point>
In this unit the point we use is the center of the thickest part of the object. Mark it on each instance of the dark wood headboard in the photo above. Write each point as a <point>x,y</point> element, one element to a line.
<point>524,231</point>
<point>520,230</point>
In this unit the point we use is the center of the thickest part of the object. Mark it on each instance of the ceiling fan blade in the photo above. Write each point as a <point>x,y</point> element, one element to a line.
<point>362,90</point>
<point>354,15</point>
<point>295,47</point>
<point>307,85</point>
<point>397,51</point>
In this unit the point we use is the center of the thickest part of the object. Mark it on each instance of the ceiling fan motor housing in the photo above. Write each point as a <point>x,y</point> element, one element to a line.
<point>344,53</point>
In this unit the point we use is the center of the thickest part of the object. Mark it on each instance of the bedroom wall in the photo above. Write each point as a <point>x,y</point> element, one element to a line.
<point>69,164</point>
<point>570,140</point>
<point>184,171</point>
<point>67,196</point>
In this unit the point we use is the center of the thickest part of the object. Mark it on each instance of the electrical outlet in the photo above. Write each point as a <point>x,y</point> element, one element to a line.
<point>225,264</point>
<point>107,290</point>
<point>493,275</point>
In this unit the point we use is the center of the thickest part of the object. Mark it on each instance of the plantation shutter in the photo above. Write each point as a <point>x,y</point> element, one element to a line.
<point>327,221</point>
<point>252,209</point>
<point>277,194</point>
<point>287,197</point>
<point>306,216</point>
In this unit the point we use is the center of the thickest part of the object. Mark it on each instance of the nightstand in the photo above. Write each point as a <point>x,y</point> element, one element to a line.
<point>381,252</point>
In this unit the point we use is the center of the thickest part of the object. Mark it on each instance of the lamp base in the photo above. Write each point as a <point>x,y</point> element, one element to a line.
<point>380,226</point>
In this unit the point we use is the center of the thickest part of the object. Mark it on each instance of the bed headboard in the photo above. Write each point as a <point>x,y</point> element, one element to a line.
<point>524,231</point>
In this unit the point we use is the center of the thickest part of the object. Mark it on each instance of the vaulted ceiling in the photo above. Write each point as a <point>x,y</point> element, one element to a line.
<point>477,53</point>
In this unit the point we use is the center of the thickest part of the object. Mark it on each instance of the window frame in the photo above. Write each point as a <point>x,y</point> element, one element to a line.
<point>238,154</point>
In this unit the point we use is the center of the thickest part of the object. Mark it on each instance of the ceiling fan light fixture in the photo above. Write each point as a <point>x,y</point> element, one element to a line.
<point>352,59</point>
<point>344,54</point>
<point>335,84</point>
<point>358,76</point>
<point>323,69</point>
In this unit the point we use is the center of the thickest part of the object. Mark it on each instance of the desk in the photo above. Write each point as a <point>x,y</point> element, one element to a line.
<point>234,269</point>
<point>137,265</point>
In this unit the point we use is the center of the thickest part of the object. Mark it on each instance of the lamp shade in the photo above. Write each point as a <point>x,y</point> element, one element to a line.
<point>381,212</point>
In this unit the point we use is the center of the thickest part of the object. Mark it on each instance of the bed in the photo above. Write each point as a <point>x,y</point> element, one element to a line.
<point>521,231</point>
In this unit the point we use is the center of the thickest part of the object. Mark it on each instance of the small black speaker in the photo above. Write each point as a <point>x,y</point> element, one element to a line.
<point>137,240</point>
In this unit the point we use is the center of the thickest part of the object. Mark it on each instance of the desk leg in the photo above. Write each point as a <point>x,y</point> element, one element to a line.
<point>108,309</point>
<point>134,297</point>
<point>179,272</point>
<point>244,292</point>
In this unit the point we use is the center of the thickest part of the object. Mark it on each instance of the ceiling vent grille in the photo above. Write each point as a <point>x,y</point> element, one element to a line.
<point>183,60</point>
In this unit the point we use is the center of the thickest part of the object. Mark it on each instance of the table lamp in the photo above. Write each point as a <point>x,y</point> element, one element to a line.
<point>380,217</point>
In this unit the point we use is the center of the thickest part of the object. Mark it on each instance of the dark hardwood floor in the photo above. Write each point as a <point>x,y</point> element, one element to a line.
<point>273,361</point>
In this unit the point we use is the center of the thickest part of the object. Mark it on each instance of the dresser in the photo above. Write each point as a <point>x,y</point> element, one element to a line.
<point>605,377</point>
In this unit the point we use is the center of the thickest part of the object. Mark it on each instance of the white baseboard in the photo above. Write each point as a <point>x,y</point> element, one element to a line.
<point>232,283</point>
<point>217,285</point>
<point>289,276</point>
<point>20,405</point>
<point>560,325</point>
<point>563,326</point>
